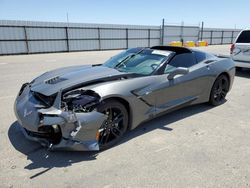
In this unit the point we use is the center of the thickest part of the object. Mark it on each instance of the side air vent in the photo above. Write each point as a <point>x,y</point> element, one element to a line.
<point>55,80</point>
<point>209,61</point>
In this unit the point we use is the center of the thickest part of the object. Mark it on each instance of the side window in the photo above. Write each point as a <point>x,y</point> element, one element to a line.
<point>244,37</point>
<point>181,60</point>
<point>200,56</point>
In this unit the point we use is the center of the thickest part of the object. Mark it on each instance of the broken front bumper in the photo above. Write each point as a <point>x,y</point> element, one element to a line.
<point>55,128</point>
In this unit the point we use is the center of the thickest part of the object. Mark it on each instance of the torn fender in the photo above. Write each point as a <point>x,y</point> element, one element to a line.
<point>75,127</point>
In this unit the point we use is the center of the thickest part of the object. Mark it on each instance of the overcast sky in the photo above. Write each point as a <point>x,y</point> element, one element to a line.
<point>214,13</point>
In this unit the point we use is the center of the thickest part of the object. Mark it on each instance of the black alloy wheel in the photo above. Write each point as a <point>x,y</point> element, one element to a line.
<point>114,127</point>
<point>219,90</point>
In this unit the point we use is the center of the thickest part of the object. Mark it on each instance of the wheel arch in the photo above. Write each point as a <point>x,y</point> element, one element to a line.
<point>227,75</point>
<point>126,105</point>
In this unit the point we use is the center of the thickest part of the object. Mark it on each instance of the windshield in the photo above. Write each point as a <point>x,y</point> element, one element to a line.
<point>113,61</point>
<point>145,62</point>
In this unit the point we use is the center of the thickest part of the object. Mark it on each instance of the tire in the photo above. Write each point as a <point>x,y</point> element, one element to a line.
<point>113,129</point>
<point>219,90</point>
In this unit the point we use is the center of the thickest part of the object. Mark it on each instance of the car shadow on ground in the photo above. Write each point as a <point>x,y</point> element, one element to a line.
<point>163,121</point>
<point>243,72</point>
<point>40,157</point>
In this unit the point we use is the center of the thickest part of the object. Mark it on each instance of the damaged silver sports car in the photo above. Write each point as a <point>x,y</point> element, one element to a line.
<point>90,107</point>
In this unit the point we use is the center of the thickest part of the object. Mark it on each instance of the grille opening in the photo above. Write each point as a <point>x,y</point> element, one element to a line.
<point>51,133</point>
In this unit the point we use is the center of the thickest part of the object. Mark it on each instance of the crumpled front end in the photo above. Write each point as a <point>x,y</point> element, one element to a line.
<point>68,122</point>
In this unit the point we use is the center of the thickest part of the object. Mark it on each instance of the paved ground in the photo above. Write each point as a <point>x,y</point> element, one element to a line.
<point>198,146</point>
<point>222,50</point>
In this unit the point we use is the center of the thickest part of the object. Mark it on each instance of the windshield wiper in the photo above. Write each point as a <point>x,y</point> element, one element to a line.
<point>127,58</point>
<point>124,60</point>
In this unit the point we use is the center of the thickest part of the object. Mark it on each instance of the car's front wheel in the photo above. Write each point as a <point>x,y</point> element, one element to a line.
<point>114,127</point>
<point>219,90</point>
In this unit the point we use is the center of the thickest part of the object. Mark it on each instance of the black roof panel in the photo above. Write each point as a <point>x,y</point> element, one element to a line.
<point>176,49</point>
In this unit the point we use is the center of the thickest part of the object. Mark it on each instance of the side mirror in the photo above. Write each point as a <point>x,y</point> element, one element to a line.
<point>178,71</point>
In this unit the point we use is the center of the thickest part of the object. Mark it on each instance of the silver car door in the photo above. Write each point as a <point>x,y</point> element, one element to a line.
<point>182,90</point>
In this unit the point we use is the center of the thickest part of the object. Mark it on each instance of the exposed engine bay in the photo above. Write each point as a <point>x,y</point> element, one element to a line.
<point>80,101</point>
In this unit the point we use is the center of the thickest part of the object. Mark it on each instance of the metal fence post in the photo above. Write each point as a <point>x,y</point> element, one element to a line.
<point>99,38</point>
<point>202,26</point>
<point>181,35</point>
<point>127,38</point>
<point>222,36</point>
<point>162,31</point>
<point>26,39</point>
<point>211,37</point>
<point>232,37</point>
<point>148,37</point>
<point>67,38</point>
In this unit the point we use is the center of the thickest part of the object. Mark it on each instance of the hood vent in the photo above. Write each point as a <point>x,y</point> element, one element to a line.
<point>55,80</point>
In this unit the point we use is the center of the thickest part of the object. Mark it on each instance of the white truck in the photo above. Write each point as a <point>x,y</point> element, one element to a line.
<point>240,49</point>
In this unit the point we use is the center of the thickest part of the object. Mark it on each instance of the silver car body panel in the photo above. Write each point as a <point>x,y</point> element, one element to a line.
<point>145,96</point>
<point>62,79</point>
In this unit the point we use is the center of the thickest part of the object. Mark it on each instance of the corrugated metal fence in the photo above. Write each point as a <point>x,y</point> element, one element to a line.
<point>180,33</point>
<point>194,33</point>
<point>30,37</point>
<point>24,37</point>
<point>219,36</point>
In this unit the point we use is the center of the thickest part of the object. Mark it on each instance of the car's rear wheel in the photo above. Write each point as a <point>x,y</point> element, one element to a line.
<point>116,124</point>
<point>219,90</point>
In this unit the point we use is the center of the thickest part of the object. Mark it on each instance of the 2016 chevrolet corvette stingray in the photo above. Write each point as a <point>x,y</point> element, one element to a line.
<point>90,107</point>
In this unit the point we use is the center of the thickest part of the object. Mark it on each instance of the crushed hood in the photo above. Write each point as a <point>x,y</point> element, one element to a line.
<point>51,82</point>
